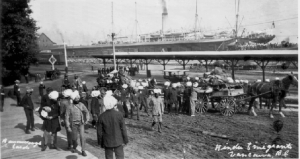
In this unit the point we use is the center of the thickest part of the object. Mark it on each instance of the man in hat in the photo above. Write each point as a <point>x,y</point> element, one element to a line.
<point>193,100</point>
<point>157,110</point>
<point>124,98</point>
<point>135,100</point>
<point>75,121</point>
<point>111,130</point>
<point>186,97</point>
<point>41,88</point>
<point>28,108</point>
<point>2,98</point>
<point>173,94</point>
<point>65,103</point>
<point>45,101</point>
<point>17,92</point>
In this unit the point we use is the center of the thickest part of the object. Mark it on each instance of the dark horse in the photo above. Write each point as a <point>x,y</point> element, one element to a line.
<point>275,90</point>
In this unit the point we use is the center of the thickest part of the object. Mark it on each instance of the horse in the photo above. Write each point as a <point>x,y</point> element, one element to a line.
<point>275,90</point>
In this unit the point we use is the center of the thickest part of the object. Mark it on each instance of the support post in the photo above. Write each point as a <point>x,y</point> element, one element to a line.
<point>232,63</point>
<point>131,63</point>
<point>183,64</point>
<point>262,64</point>
<point>164,64</point>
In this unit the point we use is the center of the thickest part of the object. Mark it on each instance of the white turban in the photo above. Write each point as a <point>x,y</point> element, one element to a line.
<point>196,78</point>
<point>95,93</point>
<point>195,84</point>
<point>83,82</point>
<point>75,94</point>
<point>140,80</point>
<point>67,93</point>
<point>140,87</point>
<point>144,84</point>
<point>109,93</point>
<point>124,85</point>
<point>157,90</point>
<point>258,80</point>
<point>178,84</point>
<point>149,79</point>
<point>53,95</point>
<point>167,83</point>
<point>189,84</point>
<point>276,78</point>
<point>109,101</point>
<point>237,81</point>
<point>174,85</point>
<point>188,78</point>
<point>246,81</point>
<point>267,80</point>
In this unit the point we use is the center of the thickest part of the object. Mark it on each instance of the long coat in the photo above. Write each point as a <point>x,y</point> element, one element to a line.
<point>95,106</point>
<point>52,125</point>
<point>111,129</point>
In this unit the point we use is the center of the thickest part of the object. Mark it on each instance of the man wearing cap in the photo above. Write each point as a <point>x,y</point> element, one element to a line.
<point>193,99</point>
<point>65,103</point>
<point>157,110</point>
<point>166,91</point>
<point>135,100</point>
<point>17,92</point>
<point>95,107</point>
<point>75,121</point>
<point>124,98</point>
<point>66,83</point>
<point>41,88</point>
<point>28,108</point>
<point>173,94</point>
<point>186,97</point>
<point>111,129</point>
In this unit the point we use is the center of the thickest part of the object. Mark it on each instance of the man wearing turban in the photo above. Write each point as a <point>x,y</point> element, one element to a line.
<point>111,129</point>
<point>75,121</point>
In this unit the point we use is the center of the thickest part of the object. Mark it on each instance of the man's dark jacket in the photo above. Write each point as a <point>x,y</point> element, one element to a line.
<point>27,102</point>
<point>111,129</point>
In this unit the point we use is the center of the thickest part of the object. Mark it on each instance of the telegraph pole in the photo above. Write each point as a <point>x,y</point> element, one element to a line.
<point>113,34</point>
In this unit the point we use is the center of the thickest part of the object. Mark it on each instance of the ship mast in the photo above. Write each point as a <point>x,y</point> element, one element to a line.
<point>196,21</point>
<point>136,24</point>
<point>237,19</point>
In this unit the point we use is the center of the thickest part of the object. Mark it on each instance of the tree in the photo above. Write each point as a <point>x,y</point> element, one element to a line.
<point>18,39</point>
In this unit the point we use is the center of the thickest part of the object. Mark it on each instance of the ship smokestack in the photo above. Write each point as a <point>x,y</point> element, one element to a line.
<point>164,15</point>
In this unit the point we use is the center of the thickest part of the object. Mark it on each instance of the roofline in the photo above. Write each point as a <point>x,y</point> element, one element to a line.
<point>48,38</point>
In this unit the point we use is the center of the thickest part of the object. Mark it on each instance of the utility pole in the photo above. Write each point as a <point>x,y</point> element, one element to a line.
<point>136,22</point>
<point>237,19</point>
<point>196,22</point>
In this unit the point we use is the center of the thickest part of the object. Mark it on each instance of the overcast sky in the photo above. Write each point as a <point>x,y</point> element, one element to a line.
<point>84,21</point>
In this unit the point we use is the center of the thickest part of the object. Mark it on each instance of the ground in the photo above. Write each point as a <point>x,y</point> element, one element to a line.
<point>208,135</point>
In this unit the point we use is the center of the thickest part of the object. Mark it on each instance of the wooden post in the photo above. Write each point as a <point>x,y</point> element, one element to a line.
<point>262,64</point>
<point>164,64</point>
<point>131,63</point>
<point>206,66</point>
<point>183,64</point>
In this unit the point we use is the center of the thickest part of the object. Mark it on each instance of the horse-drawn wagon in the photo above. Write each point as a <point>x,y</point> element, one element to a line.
<point>53,74</point>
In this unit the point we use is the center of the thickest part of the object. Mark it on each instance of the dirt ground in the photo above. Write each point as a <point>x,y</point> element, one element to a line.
<point>208,135</point>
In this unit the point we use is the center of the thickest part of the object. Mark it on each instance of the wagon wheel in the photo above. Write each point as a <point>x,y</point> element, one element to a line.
<point>202,104</point>
<point>228,107</point>
<point>241,105</point>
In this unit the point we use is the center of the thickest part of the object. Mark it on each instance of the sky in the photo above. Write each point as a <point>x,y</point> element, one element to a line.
<point>82,22</point>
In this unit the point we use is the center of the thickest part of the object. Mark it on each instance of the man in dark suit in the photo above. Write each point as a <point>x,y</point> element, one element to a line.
<point>28,108</point>
<point>111,131</point>
<point>17,92</point>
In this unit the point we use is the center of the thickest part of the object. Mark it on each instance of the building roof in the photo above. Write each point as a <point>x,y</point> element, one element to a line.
<point>46,37</point>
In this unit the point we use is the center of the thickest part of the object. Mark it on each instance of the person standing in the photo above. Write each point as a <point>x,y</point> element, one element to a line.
<point>75,121</point>
<point>124,99</point>
<point>143,96</point>
<point>166,91</point>
<point>111,130</point>
<point>27,77</point>
<point>157,110</point>
<point>41,88</point>
<point>173,94</point>
<point>51,123</point>
<point>95,107</point>
<point>65,103</point>
<point>186,97</point>
<point>17,92</point>
<point>28,108</point>
<point>135,100</point>
<point>193,100</point>
<point>2,98</point>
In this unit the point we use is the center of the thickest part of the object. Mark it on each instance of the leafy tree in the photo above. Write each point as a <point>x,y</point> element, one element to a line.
<point>18,39</point>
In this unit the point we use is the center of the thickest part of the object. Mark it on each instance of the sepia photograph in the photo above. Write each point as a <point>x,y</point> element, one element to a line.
<point>149,79</point>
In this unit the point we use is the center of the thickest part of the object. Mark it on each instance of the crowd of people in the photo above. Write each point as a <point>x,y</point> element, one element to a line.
<point>262,46</point>
<point>105,109</point>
